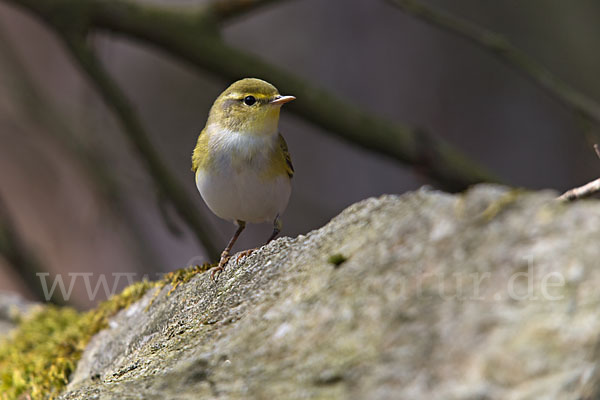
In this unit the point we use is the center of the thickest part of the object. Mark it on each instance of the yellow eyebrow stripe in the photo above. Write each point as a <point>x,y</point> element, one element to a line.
<point>258,96</point>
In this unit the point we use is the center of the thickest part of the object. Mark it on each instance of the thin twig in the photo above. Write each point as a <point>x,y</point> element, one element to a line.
<point>135,133</point>
<point>194,39</point>
<point>581,192</point>
<point>507,53</point>
<point>586,190</point>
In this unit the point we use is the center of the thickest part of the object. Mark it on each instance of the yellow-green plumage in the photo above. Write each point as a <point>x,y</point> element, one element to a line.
<point>201,157</point>
<point>242,164</point>
<point>289,168</point>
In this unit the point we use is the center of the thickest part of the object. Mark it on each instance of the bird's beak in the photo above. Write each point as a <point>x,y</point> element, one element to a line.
<point>280,100</point>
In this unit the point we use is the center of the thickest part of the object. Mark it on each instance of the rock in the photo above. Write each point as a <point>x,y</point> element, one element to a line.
<point>490,294</point>
<point>12,306</point>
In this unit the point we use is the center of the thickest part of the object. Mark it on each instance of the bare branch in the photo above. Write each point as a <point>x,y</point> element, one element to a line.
<point>584,191</point>
<point>192,37</point>
<point>132,127</point>
<point>507,53</point>
<point>581,192</point>
<point>39,108</point>
<point>226,9</point>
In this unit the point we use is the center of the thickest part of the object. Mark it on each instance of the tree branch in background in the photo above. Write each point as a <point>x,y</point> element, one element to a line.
<point>507,53</point>
<point>193,37</point>
<point>36,106</point>
<point>42,111</point>
<point>226,9</point>
<point>116,100</point>
<point>584,191</point>
<point>16,253</point>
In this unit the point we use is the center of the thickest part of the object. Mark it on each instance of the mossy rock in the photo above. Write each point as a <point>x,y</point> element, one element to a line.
<point>438,296</point>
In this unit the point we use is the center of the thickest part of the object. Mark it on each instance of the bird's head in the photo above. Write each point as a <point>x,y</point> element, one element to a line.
<point>249,106</point>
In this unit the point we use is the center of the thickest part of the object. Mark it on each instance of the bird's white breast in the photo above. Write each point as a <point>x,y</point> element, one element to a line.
<point>235,186</point>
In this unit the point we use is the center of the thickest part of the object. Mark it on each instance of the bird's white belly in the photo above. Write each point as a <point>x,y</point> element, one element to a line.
<point>243,195</point>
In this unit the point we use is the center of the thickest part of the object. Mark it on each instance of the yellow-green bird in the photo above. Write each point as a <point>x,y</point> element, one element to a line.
<point>242,164</point>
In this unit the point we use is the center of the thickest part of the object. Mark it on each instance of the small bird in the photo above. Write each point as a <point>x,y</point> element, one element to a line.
<point>242,164</point>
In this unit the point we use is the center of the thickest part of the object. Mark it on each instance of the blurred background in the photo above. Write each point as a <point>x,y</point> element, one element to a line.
<point>81,201</point>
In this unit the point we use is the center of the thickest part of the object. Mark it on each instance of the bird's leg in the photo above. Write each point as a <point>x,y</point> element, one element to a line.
<point>276,229</point>
<point>225,254</point>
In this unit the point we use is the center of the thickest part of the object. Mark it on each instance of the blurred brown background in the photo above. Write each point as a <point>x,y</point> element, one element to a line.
<point>365,51</point>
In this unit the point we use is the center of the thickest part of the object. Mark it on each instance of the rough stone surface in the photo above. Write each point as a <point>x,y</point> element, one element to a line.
<point>491,294</point>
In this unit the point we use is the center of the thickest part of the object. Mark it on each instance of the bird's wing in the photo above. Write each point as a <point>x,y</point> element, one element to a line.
<point>198,151</point>
<point>286,154</point>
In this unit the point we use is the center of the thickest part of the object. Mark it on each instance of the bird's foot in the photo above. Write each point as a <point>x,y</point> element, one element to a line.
<point>216,271</point>
<point>245,253</point>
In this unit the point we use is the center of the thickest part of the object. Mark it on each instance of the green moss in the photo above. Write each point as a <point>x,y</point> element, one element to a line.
<point>37,359</point>
<point>337,259</point>
<point>183,275</point>
<point>179,277</point>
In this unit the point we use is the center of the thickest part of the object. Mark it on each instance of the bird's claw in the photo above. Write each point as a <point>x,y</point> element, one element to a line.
<point>216,271</point>
<point>245,253</point>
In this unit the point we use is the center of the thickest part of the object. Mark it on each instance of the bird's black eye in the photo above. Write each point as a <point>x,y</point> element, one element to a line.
<point>249,100</point>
